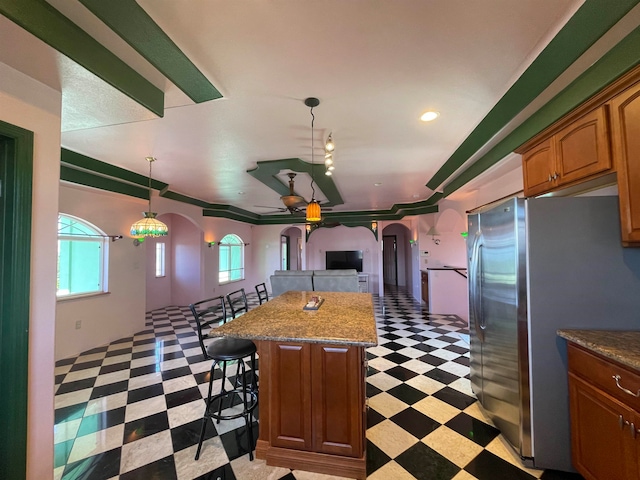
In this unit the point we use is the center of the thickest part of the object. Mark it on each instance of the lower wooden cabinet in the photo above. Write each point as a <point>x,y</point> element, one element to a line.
<point>312,407</point>
<point>605,435</point>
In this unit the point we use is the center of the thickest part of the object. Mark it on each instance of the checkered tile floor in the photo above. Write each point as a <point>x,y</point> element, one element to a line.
<point>132,409</point>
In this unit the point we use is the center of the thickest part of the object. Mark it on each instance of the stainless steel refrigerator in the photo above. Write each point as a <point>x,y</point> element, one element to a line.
<point>535,266</point>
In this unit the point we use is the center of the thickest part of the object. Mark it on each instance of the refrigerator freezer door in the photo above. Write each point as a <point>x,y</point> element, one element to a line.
<point>501,261</point>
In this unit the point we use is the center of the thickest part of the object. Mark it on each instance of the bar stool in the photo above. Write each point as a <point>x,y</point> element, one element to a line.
<point>263,295</point>
<point>211,313</point>
<point>237,303</point>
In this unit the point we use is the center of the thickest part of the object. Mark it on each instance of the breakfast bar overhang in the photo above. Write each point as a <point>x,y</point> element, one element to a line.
<point>312,379</point>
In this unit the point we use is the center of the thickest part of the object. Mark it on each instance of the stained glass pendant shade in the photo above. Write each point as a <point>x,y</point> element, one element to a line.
<point>149,226</point>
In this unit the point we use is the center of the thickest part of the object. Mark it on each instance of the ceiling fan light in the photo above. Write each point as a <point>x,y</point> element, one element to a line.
<point>313,211</point>
<point>331,168</point>
<point>328,161</point>
<point>328,173</point>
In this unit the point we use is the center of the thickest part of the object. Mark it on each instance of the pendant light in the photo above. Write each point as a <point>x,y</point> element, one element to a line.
<point>313,207</point>
<point>149,226</point>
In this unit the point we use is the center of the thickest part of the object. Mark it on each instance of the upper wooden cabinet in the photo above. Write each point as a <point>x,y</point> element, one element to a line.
<point>599,137</point>
<point>625,127</point>
<point>575,153</point>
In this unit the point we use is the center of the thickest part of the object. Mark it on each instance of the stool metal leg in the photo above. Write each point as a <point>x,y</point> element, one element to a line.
<point>206,417</point>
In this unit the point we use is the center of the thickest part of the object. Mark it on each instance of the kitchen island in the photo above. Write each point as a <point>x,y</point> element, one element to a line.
<point>312,379</point>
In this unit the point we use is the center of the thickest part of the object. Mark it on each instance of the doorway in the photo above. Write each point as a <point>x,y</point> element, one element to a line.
<point>16,170</point>
<point>390,259</point>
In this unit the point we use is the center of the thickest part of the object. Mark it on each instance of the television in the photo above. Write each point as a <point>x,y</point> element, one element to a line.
<point>344,259</point>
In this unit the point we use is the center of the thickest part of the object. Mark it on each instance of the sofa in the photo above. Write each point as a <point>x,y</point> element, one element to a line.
<point>314,280</point>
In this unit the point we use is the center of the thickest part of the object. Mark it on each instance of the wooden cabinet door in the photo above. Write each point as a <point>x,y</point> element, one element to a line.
<point>582,148</point>
<point>625,126</point>
<point>602,443</point>
<point>338,399</point>
<point>537,167</point>
<point>290,395</point>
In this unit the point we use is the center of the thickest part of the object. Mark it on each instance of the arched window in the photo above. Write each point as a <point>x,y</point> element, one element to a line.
<point>82,258</point>
<point>231,266</point>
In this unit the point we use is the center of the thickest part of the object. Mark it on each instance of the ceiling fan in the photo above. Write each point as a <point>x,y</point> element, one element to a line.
<point>294,204</point>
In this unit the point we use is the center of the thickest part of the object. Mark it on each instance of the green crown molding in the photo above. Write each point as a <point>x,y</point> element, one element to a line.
<point>137,28</point>
<point>45,22</point>
<point>592,20</point>
<point>611,66</point>
<point>16,172</point>
<point>73,159</point>
<point>267,172</point>
<point>80,169</point>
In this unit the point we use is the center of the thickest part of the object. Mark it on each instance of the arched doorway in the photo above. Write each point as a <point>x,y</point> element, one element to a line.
<point>291,249</point>
<point>396,256</point>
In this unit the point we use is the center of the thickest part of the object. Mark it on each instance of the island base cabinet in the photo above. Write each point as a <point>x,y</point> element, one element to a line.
<point>312,400</point>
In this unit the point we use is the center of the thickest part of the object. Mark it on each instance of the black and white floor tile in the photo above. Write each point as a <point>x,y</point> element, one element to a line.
<point>132,409</point>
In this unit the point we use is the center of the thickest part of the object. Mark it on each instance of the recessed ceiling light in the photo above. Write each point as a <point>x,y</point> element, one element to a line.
<point>377,184</point>
<point>240,192</point>
<point>429,116</point>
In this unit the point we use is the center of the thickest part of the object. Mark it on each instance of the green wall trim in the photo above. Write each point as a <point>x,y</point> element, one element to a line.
<point>590,22</point>
<point>267,170</point>
<point>49,25</point>
<point>89,179</point>
<point>615,63</point>
<point>16,172</point>
<point>137,28</point>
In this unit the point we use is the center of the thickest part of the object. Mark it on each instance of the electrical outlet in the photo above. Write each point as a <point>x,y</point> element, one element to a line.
<point>78,324</point>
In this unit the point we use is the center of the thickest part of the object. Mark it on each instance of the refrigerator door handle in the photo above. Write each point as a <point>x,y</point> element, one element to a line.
<point>475,286</point>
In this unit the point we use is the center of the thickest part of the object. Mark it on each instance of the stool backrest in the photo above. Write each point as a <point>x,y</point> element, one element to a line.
<point>209,314</point>
<point>237,302</point>
<point>261,290</point>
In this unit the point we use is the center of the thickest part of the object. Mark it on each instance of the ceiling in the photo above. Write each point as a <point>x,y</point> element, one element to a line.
<point>376,66</point>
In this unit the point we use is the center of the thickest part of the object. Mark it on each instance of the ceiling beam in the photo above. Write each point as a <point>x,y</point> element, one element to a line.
<point>45,22</point>
<point>137,28</point>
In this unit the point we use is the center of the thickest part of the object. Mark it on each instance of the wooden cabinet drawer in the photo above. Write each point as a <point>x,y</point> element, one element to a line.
<point>601,373</point>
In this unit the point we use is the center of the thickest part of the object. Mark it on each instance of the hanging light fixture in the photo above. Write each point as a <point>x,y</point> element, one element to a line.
<point>149,226</point>
<point>313,207</point>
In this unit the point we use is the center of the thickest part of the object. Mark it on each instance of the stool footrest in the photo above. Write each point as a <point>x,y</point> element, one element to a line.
<point>211,404</point>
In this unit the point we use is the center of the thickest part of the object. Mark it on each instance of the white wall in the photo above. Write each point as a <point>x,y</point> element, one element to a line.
<point>35,107</point>
<point>120,313</point>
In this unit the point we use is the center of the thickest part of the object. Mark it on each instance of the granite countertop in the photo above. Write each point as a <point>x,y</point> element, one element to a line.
<point>622,346</point>
<point>343,318</point>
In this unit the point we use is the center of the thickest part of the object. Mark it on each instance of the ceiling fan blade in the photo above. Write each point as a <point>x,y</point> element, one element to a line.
<point>270,206</point>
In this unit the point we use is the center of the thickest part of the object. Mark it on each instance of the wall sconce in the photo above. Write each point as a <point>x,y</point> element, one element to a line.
<point>138,241</point>
<point>464,234</point>
<point>115,237</point>
<point>211,244</point>
<point>412,242</point>
<point>374,226</point>
<point>308,228</point>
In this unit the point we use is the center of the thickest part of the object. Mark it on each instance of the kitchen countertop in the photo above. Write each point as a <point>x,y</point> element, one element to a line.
<point>343,318</point>
<point>622,346</point>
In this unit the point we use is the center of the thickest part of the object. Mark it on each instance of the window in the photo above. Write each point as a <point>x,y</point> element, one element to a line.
<point>231,268</point>
<point>160,259</point>
<point>82,258</point>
